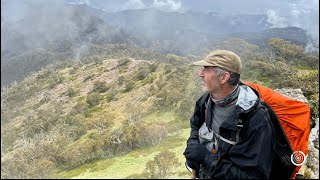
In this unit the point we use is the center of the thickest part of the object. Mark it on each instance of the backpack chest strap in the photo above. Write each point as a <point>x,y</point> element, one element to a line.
<point>225,140</point>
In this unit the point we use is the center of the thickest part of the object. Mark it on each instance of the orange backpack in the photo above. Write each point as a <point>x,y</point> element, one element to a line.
<point>294,121</point>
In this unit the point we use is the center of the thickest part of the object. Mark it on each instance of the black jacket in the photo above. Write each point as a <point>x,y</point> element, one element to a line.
<point>251,157</point>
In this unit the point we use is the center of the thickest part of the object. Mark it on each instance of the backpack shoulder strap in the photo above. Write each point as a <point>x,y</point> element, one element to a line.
<point>281,136</point>
<point>204,98</point>
<point>205,101</point>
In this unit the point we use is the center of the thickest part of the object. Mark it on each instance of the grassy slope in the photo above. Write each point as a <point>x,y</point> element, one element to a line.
<point>82,79</point>
<point>131,165</point>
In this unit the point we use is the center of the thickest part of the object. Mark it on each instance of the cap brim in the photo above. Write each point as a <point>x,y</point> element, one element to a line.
<point>202,63</point>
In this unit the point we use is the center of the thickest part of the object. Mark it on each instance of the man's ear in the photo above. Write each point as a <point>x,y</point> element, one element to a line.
<point>225,77</point>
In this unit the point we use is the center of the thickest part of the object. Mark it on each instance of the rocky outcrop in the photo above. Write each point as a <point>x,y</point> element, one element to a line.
<point>310,169</point>
<point>293,93</point>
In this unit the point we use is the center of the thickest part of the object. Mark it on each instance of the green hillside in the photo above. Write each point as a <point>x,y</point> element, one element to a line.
<point>68,117</point>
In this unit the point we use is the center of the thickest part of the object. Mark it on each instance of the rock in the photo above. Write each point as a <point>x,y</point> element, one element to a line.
<point>293,93</point>
<point>313,161</point>
<point>305,173</point>
<point>313,155</point>
<point>314,134</point>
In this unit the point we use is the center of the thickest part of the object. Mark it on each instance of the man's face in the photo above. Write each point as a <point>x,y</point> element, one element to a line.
<point>211,81</point>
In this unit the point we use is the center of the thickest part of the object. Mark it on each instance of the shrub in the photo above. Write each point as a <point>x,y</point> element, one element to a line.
<point>93,99</point>
<point>55,79</point>
<point>71,92</point>
<point>100,87</point>
<point>163,165</point>
<point>41,169</point>
<point>141,74</point>
<point>132,136</point>
<point>76,126</point>
<point>153,67</point>
<point>97,60</point>
<point>314,106</point>
<point>123,61</point>
<point>87,77</point>
<point>128,86</point>
<point>121,80</point>
<point>100,122</point>
<point>110,96</point>
<point>79,108</point>
<point>80,152</point>
<point>152,134</point>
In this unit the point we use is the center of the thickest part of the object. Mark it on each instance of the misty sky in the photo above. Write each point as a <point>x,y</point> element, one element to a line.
<point>281,13</point>
<point>281,7</point>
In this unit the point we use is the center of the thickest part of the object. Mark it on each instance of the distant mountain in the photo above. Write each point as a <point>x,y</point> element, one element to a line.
<point>167,25</point>
<point>192,31</point>
<point>295,35</point>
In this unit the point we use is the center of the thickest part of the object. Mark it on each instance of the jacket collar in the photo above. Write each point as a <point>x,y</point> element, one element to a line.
<point>247,98</point>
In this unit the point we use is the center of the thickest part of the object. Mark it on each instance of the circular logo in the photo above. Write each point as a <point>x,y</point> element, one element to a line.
<point>298,158</point>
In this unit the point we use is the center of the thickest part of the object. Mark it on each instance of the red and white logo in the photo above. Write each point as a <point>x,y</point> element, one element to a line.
<point>298,158</point>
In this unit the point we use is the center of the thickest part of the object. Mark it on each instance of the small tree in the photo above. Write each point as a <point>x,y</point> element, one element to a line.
<point>162,166</point>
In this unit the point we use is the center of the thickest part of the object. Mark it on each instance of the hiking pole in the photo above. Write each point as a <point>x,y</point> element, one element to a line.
<point>192,171</point>
<point>194,174</point>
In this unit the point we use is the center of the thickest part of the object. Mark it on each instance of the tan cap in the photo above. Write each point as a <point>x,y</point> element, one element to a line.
<point>224,59</point>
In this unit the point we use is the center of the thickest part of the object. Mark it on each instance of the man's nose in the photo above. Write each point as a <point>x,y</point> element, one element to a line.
<point>200,73</point>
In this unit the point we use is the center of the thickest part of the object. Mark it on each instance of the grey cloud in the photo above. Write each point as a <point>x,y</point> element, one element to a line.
<point>167,5</point>
<point>133,4</point>
<point>303,14</point>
